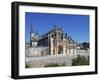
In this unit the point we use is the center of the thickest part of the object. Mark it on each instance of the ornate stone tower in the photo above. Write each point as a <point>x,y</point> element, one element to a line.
<point>33,36</point>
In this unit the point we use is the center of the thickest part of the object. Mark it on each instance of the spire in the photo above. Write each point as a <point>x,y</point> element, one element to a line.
<point>69,37</point>
<point>31,27</point>
<point>76,41</point>
<point>37,33</point>
<point>55,27</point>
<point>31,30</point>
<point>66,35</point>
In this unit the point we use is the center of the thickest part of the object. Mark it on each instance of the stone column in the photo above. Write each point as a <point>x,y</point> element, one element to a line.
<point>49,43</point>
<point>69,48</point>
<point>57,48</point>
<point>56,43</point>
<point>63,43</point>
<point>75,48</point>
<point>64,47</point>
<point>51,46</point>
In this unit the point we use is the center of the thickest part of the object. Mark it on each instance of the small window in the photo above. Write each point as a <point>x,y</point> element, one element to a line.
<point>52,35</point>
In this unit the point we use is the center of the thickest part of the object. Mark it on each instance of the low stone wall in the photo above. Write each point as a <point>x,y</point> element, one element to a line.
<point>36,51</point>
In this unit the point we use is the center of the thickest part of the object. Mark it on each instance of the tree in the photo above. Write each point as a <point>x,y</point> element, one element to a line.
<point>85,46</point>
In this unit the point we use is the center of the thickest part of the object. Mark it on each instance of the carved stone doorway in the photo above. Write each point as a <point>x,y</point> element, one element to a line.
<point>60,49</point>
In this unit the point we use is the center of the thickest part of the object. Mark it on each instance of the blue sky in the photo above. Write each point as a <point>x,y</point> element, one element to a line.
<point>76,26</point>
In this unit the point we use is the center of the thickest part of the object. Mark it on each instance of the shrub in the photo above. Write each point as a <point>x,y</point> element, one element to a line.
<point>27,66</point>
<point>80,60</point>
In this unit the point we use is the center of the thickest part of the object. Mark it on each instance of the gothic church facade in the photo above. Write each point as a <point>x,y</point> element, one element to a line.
<point>55,40</point>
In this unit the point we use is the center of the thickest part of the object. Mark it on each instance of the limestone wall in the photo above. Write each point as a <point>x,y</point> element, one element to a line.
<point>36,51</point>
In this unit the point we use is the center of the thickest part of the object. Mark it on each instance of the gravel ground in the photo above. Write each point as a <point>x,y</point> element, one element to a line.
<point>42,61</point>
<point>59,59</point>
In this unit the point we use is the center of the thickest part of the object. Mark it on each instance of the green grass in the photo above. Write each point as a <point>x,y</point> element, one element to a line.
<point>27,66</point>
<point>54,65</point>
<point>80,60</point>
